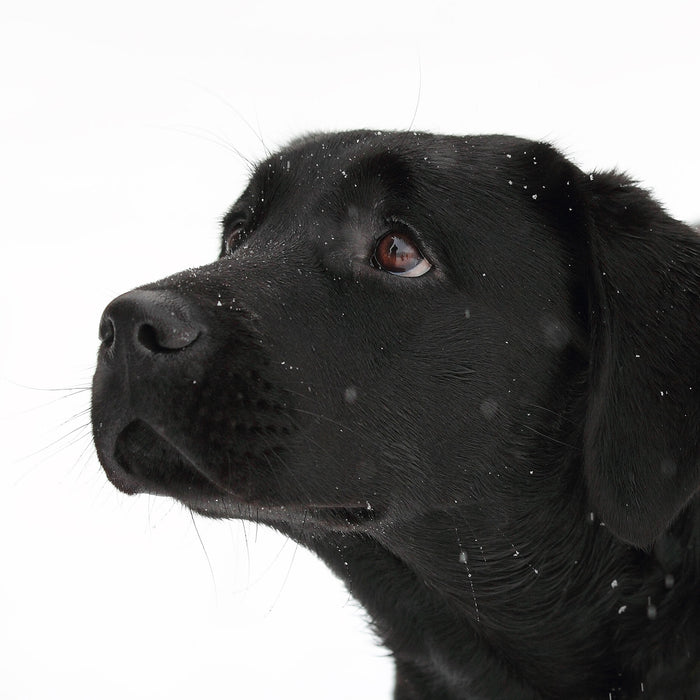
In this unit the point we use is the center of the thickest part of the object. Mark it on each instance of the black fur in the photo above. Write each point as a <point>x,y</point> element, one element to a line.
<point>500,457</point>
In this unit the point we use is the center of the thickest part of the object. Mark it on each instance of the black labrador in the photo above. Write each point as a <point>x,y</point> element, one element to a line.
<point>466,375</point>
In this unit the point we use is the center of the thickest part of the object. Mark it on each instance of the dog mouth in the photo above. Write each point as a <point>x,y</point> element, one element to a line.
<point>297,517</point>
<point>149,463</point>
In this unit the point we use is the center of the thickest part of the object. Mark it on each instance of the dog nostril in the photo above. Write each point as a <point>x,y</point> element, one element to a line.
<point>106,333</point>
<point>149,321</point>
<point>165,337</point>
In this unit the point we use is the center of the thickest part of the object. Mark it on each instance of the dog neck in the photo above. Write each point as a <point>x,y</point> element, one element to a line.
<point>526,613</point>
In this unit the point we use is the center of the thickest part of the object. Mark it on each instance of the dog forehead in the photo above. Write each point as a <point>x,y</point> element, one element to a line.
<point>406,162</point>
<point>331,172</point>
<point>324,179</point>
<point>473,198</point>
<point>317,156</point>
<point>326,160</point>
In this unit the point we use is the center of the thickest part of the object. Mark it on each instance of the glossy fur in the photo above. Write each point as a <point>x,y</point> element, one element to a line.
<point>500,458</point>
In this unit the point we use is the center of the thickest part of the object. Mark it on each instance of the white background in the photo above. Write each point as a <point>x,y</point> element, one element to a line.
<point>124,129</point>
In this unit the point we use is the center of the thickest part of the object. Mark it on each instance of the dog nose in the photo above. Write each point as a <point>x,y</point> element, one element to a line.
<point>148,321</point>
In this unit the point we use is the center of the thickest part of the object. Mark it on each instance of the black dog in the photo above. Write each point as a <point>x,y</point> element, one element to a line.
<point>467,376</point>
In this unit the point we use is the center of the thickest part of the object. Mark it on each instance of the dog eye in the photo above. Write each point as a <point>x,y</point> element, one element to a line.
<point>397,254</point>
<point>233,236</point>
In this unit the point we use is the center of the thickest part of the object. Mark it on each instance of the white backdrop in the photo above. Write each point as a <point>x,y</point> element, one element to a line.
<point>124,129</point>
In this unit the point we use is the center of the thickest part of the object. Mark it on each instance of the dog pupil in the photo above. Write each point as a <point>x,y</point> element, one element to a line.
<point>398,254</point>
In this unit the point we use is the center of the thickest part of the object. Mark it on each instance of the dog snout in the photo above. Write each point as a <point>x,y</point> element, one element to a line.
<point>138,398</point>
<point>148,322</point>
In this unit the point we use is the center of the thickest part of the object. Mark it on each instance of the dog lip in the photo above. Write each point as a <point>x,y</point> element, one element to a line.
<point>169,471</point>
<point>350,505</point>
<point>336,517</point>
<point>119,477</point>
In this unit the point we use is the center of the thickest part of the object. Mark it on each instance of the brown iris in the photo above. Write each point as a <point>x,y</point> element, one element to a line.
<point>397,254</point>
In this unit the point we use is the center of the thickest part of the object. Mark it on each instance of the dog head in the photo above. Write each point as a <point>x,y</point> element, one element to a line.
<point>394,320</point>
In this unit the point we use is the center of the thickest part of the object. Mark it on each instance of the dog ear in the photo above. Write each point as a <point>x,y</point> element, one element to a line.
<point>642,431</point>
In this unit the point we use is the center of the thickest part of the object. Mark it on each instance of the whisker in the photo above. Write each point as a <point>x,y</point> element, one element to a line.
<point>550,438</point>
<point>256,132</point>
<point>268,152</point>
<point>86,428</point>
<point>47,453</point>
<point>68,393</point>
<point>247,551</point>
<point>206,555</point>
<point>76,416</point>
<point>29,387</point>
<point>271,565</point>
<point>420,86</point>
<point>320,416</point>
<point>85,454</point>
<point>558,414</point>
<point>211,137</point>
<point>286,578</point>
